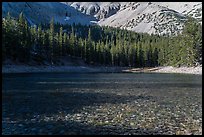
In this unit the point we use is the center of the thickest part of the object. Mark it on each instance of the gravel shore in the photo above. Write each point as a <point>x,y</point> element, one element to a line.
<point>84,69</point>
<point>187,70</point>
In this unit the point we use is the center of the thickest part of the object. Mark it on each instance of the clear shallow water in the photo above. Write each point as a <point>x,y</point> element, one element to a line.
<point>31,98</point>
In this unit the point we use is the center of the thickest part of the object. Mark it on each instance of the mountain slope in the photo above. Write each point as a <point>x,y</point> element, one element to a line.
<point>193,9</point>
<point>147,17</point>
<point>151,17</point>
<point>42,12</point>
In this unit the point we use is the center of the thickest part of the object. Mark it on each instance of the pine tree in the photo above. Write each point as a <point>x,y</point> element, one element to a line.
<point>98,56</point>
<point>140,56</point>
<point>39,39</point>
<point>3,41</point>
<point>61,41</point>
<point>81,48</point>
<point>22,43</point>
<point>113,52</point>
<point>89,47</point>
<point>65,45</point>
<point>72,42</point>
<point>155,57</point>
<point>135,57</point>
<point>85,50</point>
<point>51,40</point>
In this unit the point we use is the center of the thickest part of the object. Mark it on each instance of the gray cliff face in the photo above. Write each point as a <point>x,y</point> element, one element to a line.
<point>100,10</point>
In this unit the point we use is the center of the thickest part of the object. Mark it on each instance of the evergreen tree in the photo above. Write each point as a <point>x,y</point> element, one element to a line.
<point>65,44</point>
<point>22,43</point>
<point>72,42</point>
<point>51,40</point>
<point>61,41</point>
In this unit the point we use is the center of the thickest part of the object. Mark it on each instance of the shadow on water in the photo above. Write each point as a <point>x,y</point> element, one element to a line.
<point>49,103</point>
<point>27,105</point>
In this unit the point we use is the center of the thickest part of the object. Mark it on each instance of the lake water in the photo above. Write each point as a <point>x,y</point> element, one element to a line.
<point>101,103</point>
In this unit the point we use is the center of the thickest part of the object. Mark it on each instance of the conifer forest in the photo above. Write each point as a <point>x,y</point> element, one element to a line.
<point>106,46</point>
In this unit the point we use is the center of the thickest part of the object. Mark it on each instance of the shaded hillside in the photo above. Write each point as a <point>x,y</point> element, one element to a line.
<point>43,12</point>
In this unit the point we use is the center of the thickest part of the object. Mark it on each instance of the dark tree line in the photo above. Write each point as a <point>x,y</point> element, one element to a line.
<point>99,45</point>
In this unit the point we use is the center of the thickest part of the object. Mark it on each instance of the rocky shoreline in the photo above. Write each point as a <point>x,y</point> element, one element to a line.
<point>87,69</point>
<point>168,69</point>
<point>187,70</point>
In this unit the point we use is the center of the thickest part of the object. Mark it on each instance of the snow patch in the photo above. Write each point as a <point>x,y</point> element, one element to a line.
<point>67,18</point>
